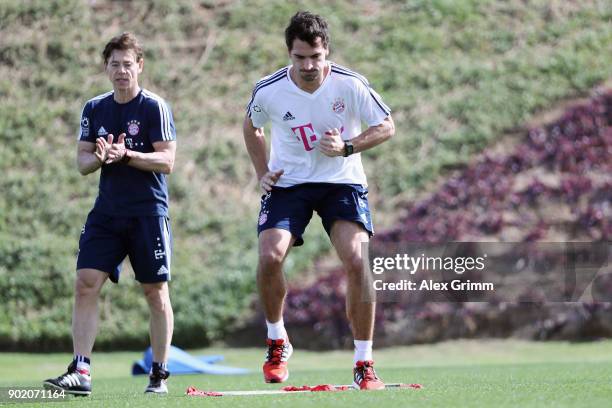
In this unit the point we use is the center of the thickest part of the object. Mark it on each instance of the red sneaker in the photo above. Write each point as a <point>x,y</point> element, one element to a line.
<point>365,377</point>
<point>275,368</point>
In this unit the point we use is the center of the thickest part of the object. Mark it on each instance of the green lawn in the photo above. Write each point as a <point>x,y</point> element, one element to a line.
<point>454,374</point>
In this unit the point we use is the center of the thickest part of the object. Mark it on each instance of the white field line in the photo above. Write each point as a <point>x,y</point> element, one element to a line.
<point>277,392</point>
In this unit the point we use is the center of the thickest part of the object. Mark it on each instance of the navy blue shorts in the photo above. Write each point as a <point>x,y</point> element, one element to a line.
<point>291,208</point>
<point>106,241</point>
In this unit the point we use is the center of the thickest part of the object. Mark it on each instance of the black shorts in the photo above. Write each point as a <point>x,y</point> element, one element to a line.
<point>106,241</point>
<point>291,208</point>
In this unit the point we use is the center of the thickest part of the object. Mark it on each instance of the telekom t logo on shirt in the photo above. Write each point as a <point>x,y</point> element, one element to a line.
<point>306,134</point>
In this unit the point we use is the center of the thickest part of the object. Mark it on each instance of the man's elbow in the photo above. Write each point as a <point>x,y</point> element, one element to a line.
<point>390,129</point>
<point>83,170</point>
<point>168,167</point>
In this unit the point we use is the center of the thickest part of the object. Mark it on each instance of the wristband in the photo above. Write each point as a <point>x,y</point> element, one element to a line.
<point>348,148</point>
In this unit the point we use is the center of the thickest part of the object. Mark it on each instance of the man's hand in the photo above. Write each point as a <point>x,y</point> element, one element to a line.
<point>332,144</point>
<point>269,179</point>
<point>102,147</point>
<point>116,151</point>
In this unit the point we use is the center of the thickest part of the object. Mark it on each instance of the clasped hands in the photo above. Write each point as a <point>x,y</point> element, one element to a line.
<point>108,152</point>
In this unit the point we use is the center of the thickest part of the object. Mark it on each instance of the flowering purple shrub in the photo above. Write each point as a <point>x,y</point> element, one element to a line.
<point>555,185</point>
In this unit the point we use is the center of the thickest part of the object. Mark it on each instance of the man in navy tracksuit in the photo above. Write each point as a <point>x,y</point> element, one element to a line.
<point>129,134</point>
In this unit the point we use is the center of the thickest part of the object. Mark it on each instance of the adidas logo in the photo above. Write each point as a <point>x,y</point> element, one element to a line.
<point>288,116</point>
<point>163,270</point>
<point>102,131</point>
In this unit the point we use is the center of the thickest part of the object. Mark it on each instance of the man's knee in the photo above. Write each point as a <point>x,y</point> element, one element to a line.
<point>89,282</point>
<point>354,265</point>
<point>271,259</point>
<point>273,248</point>
<point>157,296</point>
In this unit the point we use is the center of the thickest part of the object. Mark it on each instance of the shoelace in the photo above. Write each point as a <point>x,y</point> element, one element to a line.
<point>276,353</point>
<point>366,372</point>
<point>64,376</point>
<point>69,379</point>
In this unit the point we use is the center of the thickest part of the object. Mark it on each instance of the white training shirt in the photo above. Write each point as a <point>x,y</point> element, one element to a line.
<point>300,119</point>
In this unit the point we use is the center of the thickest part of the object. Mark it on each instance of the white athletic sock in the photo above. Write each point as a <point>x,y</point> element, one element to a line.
<point>276,330</point>
<point>363,350</point>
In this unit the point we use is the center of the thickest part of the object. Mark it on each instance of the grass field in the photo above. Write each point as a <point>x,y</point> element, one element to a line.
<point>453,374</point>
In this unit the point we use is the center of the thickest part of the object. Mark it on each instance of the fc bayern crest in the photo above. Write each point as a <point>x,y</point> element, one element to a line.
<point>133,127</point>
<point>263,218</point>
<point>338,105</point>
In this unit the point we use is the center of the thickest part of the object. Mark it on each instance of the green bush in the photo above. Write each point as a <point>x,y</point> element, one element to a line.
<point>457,74</point>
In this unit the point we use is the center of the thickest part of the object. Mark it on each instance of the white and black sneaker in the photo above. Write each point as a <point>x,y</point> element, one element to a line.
<point>157,382</point>
<point>72,382</point>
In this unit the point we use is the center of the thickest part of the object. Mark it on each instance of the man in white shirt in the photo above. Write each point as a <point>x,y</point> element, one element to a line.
<point>316,109</point>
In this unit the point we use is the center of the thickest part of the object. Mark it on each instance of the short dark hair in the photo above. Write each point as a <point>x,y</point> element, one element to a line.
<point>124,41</point>
<point>307,27</point>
